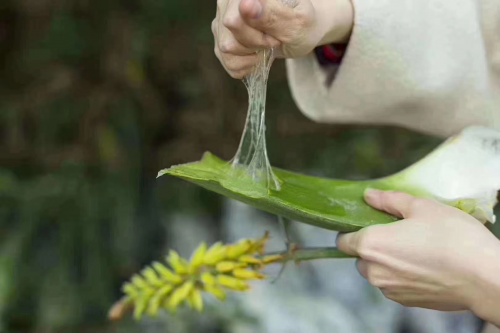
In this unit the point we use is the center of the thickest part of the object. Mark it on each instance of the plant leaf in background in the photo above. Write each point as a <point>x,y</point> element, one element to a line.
<point>464,172</point>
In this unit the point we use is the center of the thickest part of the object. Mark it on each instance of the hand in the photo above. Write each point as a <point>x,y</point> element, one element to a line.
<point>437,257</point>
<point>243,27</point>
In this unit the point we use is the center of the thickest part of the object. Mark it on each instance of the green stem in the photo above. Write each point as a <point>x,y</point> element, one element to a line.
<point>314,253</point>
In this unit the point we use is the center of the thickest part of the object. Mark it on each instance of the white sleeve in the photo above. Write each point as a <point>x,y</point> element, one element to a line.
<point>428,65</point>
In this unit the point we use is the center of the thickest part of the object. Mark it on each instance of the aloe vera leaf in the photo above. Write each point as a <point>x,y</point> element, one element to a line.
<point>464,172</point>
<point>326,203</point>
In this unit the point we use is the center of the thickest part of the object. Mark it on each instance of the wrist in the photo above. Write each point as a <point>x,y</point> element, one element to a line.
<point>336,18</point>
<point>485,301</point>
<point>488,308</point>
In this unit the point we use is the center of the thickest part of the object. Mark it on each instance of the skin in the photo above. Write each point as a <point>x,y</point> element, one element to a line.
<point>243,27</point>
<point>437,257</point>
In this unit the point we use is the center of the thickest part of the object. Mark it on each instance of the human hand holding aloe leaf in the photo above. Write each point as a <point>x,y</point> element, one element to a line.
<point>436,257</point>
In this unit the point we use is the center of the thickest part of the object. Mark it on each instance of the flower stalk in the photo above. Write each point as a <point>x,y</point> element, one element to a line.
<point>212,271</point>
<point>312,253</point>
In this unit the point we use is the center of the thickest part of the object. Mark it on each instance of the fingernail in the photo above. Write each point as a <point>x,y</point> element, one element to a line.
<point>256,9</point>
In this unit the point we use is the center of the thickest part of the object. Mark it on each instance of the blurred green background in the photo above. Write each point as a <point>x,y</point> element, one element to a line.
<point>95,98</point>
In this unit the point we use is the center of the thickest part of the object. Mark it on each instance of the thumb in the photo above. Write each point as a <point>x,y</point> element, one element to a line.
<point>268,16</point>
<point>349,243</point>
<point>251,9</point>
<point>396,203</point>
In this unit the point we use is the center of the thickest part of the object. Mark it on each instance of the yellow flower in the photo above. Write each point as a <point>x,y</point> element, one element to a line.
<point>250,260</point>
<point>208,279</point>
<point>196,300</point>
<point>273,258</point>
<point>180,294</point>
<point>228,266</point>
<point>232,283</point>
<point>197,258</point>
<point>166,274</point>
<point>180,265</point>
<point>209,270</point>
<point>239,249</point>
<point>246,274</point>
<point>218,292</point>
<point>216,253</point>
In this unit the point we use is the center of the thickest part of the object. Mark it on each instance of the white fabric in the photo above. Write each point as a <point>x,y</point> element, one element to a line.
<point>428,65</point>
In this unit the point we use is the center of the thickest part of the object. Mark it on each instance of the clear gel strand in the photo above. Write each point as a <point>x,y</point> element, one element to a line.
<point>252,152</point>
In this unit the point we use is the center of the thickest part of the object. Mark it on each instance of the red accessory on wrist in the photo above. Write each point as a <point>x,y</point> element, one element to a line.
<point>331,54</point>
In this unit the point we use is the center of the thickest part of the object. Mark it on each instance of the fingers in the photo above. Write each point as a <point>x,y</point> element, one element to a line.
<point>365,243</point>
<point>237,59</point>
<point>249,36</point>
<point>244,33</point>
<point>362,266</point>
<point>251,9</point>
<point>376,274</point>
<point>232,46</point>
<point>277,19</point>
<point>349,243</point>
<point>236,43</point>
<point>269,16</point>
<point>226,42</point>
<point>398,203</point>
<point>237,66</point>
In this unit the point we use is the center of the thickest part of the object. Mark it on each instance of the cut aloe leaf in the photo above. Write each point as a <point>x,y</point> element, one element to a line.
<point>464,172</point>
